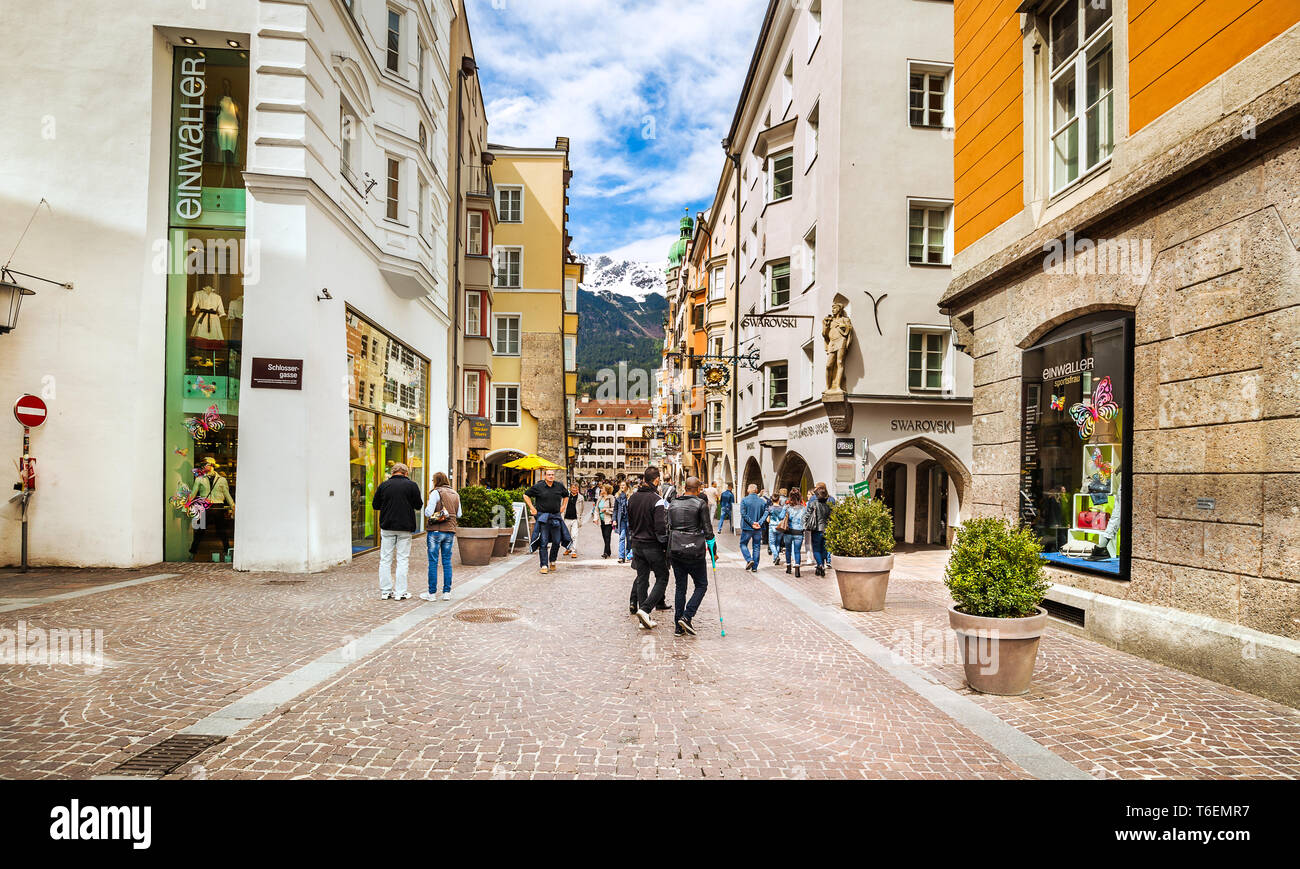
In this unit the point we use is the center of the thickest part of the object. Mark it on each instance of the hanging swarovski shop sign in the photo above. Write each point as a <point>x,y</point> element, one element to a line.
<point>191,85</point>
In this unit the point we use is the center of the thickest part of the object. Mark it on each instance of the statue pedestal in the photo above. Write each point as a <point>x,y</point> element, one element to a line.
<point>838,411</point>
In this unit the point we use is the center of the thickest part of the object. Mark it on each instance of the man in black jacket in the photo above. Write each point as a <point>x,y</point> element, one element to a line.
<point>648,530</point>
<point>397,500</point>
<point>689,526</point>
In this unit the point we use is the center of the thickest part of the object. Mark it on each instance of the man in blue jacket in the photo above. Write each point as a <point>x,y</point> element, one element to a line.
<point>753,513</point>
<point>726,502</point>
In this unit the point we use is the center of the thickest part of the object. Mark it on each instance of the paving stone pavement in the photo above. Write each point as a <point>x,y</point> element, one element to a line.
<point>556,680</point>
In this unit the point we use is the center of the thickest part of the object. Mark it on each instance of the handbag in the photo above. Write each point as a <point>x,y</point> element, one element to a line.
<point>441,514</point>
<point>784,525</point>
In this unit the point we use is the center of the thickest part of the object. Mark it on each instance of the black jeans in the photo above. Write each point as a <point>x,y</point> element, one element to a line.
<point>605,531</point>
<point>650,558</point>
<point>698,571</point>
<point>216,520</point>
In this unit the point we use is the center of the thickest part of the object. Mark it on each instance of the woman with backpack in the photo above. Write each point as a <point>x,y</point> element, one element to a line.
<point>795,511</point>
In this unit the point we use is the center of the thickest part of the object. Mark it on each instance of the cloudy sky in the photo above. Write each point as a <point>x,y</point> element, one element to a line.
<point>645,91</point>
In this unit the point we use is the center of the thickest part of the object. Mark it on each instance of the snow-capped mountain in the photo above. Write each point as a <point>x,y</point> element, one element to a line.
<point>636,280</point>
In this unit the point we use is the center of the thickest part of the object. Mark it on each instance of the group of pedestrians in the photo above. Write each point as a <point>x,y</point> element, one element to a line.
<point>779,524</point>
<point>397,501</point>
<point>667,528</point>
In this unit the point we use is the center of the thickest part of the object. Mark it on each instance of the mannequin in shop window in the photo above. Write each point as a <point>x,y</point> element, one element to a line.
<point>208,309</point>
<point>215,488</point>
<point>227,132</point>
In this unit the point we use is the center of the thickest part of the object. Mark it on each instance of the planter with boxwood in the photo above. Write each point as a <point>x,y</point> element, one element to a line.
<point>504,514</point>
<point>476,536</point>
<point>860,539</point>
<point>995,575</point>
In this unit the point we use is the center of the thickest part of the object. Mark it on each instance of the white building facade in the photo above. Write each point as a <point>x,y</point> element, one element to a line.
<point>843,134</point>
<point>255,225</point>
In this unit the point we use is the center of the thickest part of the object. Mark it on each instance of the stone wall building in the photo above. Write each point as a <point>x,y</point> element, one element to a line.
<point>1128,283</point>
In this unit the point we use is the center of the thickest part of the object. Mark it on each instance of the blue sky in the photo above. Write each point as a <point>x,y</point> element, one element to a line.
<point>645,91</point>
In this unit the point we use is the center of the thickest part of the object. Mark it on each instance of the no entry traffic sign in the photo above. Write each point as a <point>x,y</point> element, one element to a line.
<point>30,411</point>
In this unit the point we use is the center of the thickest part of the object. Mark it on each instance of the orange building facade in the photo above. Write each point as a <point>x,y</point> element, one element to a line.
<point>1127,281</point>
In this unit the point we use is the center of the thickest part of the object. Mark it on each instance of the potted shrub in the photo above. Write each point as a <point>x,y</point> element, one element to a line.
<point>996,578</point>
<point>476,536</point>
<point>503,513</point>
<point>860,539</point>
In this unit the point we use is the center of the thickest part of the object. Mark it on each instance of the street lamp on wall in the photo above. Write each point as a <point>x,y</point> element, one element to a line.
<point>11,300</point>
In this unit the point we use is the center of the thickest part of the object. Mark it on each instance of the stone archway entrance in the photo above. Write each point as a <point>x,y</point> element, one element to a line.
<point>925,486</point>
<point>753,475</point>
<point>794,473</point>
<point>502,477</point>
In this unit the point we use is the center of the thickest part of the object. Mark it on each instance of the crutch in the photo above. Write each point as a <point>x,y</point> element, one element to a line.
<point>713,552</point>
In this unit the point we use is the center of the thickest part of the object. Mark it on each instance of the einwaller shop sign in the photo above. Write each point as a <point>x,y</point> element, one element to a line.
<point>190,86</point>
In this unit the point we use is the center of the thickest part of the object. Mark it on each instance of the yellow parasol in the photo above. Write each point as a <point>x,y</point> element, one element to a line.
<point>533,463</point>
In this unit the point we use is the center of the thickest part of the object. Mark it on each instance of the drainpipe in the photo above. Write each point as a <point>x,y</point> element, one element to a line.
<point>467,68</point>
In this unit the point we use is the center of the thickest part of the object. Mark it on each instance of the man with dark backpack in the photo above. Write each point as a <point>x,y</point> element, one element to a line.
<point>690,528</point>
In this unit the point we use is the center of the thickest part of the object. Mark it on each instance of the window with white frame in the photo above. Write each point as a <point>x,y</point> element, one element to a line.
<point>927,351</point>
<point>423,229</point>
<point>778,386</point>
<point>1082,86</point>
<point>510,204</point>
<point>715,417</point>
<point>812,133</point>
<point>929,233</point>
<point>715,345</point>
<point>718,283</point>
<point>419,64</point>
<point>814,26</point>
<point>474,315</point>
<point>393,190</point>
<point>507,334</point>
<point>810,258</point>
<point>781,173</point>
<point>394,53</point>
<point>510,267</point>
<point>473,392</point>
<point>571,295</point>
<point>570,353</point>
<point>777,278</point>
<point>929,96</point>
<point>474,243</point>
<point>349,152</point>
<point>505,404</point>
<point>787,86</point>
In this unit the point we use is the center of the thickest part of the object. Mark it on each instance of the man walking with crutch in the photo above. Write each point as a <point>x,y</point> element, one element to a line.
<point>690,530</point>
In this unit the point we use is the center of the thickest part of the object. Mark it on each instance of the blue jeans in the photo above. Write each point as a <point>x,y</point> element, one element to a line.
<point>819,548</point>
<point>439,545</point>
<point>748,536</point>
<point>624,551</point>
<point>795,542</point>
<point>775,541</point>
<point>550,536</point>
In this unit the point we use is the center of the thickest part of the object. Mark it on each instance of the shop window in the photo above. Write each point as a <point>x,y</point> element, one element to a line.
<point>1076,439</point>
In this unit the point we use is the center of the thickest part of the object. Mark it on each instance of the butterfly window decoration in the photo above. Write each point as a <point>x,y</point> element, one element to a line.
<point>208,389</point>
<point>1101,406</point>
<point>185,501</point>
<point>200,426</point>
<point>1058,402</point>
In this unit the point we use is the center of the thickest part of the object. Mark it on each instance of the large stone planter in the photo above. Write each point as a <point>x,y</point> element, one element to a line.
<point>502,547</point>
<point>998,654</point>
<point>863,581</point>
<point>476,545</point>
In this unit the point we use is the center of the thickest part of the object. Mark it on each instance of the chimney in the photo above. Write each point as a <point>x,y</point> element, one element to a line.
<point>562,143</point>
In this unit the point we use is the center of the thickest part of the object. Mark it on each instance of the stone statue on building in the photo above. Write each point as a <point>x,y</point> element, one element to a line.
<point>837,332</point>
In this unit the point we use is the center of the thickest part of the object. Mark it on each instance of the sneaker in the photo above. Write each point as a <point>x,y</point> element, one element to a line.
<point>631,608</point>
<point>663,607</point>
<point>685,625</point>
<point>446,595</point>
<point>406,596</point>
<point>1099,553</point>
<point>679,632</point>
<point>646,621</point>
<point>385,595</point>
<point>424,595</point>
<point>543,570</point>
<point>572,554</point>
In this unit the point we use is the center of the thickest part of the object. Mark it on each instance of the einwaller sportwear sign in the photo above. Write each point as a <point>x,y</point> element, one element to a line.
<point>30,411</point>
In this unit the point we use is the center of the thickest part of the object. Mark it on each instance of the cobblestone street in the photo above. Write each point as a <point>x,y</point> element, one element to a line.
<point>530,676</point>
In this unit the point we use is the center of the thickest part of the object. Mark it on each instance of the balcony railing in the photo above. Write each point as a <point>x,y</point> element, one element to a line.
<point>478,181</point>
